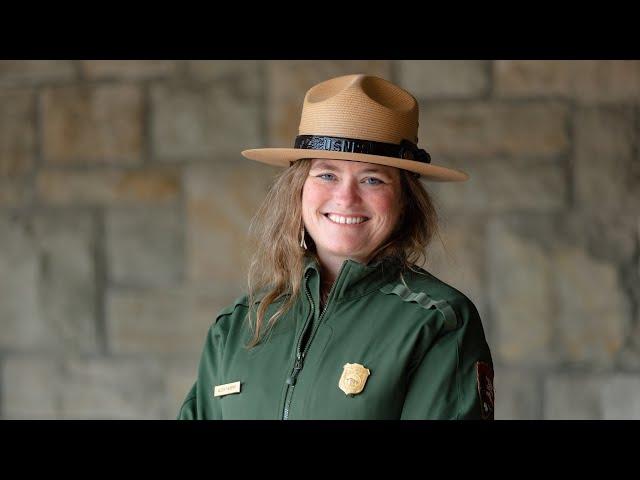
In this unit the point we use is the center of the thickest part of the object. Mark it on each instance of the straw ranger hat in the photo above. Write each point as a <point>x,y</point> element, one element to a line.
<point>361,118</point>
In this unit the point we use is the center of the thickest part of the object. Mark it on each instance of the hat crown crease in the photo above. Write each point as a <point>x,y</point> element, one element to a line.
<point>360,106</point>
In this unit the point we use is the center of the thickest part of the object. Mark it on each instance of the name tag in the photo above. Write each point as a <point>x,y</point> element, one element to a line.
<point>226,389</point>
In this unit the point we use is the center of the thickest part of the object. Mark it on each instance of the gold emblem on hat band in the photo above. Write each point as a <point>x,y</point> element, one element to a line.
<point>353,378</point>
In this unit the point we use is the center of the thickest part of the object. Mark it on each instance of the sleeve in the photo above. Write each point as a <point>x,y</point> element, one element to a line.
<point>199,403</point>
<point>188,409</point>
<point>454,378</point>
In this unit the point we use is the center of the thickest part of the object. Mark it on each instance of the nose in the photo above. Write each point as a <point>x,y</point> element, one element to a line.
<point>347,192</point>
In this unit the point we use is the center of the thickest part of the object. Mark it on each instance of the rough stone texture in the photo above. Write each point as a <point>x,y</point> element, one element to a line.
<point>83,388</point>
<point>32,72</point>
<point>547,284</point>
<point>144,246</point>
<point>588,81</point>
<point>212,122</point>
<point>621,397</point>
<point>92,125</point>
<point>67,287</point>
<point>584,397</point>
<point>605,139</point>
<point>517,394</point>
<point>15,192</point>
<point>163,321</point>
<point>445,78</point>
<point>47,279</point>
<point>611,240</point>
<point>460,262</point>
<point>573,396</point>
<point>608,234</point>
<point>206,70</point>
<point>629,357</point>
<point>535,78</point>
<point>127,69</point>
<point>500,185</point>
<point>288,82</point>
<point>607,81</point>
<point>30,388</point>
<point>21,325</point>
<point>635,169</point>
<point>17,132</point>
<point>592,312</point>
<point>180,377</point>
<point>113,389</point>
<point>220,204</point>
<point>520,286</point>
<point>109,187</point>
<point>486,129</point>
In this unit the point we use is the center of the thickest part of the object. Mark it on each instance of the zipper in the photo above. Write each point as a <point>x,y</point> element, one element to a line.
<point>291,380</point>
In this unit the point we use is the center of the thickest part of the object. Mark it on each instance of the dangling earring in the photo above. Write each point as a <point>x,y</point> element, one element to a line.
<point>303,244</point>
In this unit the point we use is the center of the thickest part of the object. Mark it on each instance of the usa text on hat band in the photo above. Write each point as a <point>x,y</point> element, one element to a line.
<point>406,149</point>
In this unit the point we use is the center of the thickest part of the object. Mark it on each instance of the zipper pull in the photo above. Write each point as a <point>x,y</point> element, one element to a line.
<point>296,369</point>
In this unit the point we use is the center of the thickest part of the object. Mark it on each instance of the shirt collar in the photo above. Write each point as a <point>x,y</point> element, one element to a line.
<point>354,279</point>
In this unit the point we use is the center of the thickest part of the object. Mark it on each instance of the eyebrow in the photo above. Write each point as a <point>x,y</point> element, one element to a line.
<point>327,166</point>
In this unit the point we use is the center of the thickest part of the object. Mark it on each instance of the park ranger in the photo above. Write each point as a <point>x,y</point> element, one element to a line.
<point>339,321</point>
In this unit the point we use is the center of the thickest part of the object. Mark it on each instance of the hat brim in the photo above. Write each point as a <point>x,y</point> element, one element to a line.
<point>282,157</point>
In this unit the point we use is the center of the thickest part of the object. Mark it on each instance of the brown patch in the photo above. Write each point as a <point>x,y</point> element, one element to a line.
<point>485,389</point>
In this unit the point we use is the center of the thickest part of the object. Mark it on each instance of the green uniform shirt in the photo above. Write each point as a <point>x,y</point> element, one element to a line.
<point>379,349</point>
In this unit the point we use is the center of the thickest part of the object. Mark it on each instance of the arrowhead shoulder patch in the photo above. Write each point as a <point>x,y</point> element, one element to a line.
<point>485,389</point>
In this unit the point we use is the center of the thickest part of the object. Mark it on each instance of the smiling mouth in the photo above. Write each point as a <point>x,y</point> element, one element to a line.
<point>342,220</point>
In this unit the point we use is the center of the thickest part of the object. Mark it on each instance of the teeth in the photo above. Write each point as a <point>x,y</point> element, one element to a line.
<point>347,220</point>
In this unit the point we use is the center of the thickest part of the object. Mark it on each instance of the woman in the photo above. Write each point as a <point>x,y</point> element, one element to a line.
<point>339,322</point>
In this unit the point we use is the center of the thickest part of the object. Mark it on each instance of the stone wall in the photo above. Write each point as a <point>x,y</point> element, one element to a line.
<point>124,207</point>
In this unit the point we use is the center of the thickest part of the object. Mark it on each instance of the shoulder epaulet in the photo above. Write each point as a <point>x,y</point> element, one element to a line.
<point>425,301</point>
<point>230,308</point>
<point>243,301</point>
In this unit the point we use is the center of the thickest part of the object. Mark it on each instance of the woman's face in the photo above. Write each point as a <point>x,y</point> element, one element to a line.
<point>350,208</point>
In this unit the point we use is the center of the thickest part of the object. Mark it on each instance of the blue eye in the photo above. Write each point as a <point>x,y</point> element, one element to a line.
<point>374,181</point>
<point>323,175</point>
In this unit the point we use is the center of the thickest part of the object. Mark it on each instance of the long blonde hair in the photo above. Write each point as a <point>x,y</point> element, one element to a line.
<point>278,260</point>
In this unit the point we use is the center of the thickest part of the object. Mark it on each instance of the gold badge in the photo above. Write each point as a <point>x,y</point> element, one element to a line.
<point>226,389</point>
<point>353,378</point>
